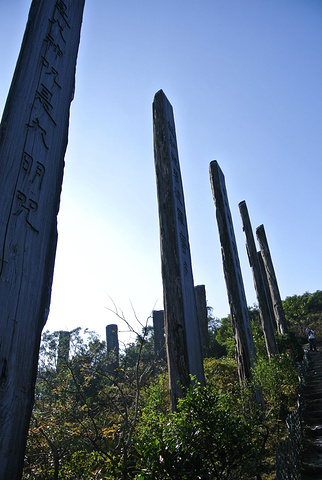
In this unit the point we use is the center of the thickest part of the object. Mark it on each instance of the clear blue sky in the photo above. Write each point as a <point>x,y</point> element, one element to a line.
<point>245,82</point>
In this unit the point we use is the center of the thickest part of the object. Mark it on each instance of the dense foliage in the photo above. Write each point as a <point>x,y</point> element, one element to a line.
<point>304,311</point>
<point>90,422</point>
<point>207,437</point>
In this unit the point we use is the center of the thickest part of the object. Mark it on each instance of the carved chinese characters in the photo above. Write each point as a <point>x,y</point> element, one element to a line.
<point>181,221</point>
<point>42,121</point>
<point>33,140</point>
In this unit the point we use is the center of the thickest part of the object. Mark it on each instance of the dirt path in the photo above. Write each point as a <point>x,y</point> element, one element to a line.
<point>312,418</point>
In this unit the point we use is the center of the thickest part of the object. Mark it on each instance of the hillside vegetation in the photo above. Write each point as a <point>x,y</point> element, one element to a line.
<point>90,423</point>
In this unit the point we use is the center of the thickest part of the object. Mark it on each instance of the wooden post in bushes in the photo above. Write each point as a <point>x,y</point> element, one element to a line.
<point>159,339</point>
<point>266,320</point>
<point>33,140</point>
<point>112,348</point>
<point>63,349</point>
<point>158,323</point>
<point>201,303</point>
<point>272,280</point>
<point>181,323</point>
<point>245,351</point>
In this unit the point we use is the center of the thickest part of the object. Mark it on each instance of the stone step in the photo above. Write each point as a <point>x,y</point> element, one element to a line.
<point>313,379</point>
<point>314,431</point>
<point>312,422</point>
<point>311,395</point>
<point>311,472</point>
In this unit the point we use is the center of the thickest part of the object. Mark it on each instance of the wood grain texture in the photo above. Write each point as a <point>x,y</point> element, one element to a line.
<point>33,140</point>
<point>264,311</point>
<point>272,280</point>
<point>180,315</point>
<point>244,345</point>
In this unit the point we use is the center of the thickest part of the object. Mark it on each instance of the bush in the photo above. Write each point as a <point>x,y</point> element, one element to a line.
<point>204,439</point>
<point>278,380</point>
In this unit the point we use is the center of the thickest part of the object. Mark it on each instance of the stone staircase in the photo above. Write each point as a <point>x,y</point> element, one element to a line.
<point>311,457</point>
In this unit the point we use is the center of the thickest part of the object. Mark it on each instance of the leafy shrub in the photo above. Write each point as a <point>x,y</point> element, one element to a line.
<point>84,465</point>
<point>204,439</point>
<point>222,374</point>
<point>278,380</point>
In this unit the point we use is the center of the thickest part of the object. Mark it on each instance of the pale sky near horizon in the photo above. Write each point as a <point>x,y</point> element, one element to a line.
<point>245,81</point>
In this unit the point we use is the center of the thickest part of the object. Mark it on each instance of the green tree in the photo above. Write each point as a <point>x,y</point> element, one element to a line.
<point>315,302</point>
<point>63,415</point>
<point>302,311</point>
<point>215,349</point>
<point>225,336</point>
<point>296,311</point>
<point>82,413</point>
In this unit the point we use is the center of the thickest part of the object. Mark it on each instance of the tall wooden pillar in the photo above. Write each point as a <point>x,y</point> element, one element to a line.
<point>63,349</point>
<point>181,323</point>
<point>33,140</point>
<point>267,292</point>
<point>159,339</point>
<point>201,303</point>
<point>266,320</point>
<point>272,280</point>
<point>112,348</point>
<point>245,351</point>
<point>158,323</point>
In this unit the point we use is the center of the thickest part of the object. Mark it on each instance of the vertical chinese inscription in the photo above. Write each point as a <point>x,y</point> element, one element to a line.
<point>33,140</point>
<point>42,119</point>
<point>181,323</point>
<point>245,351</point>
<point>179,207</point>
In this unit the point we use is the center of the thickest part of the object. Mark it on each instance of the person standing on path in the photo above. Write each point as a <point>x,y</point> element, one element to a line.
<point>311,336</point>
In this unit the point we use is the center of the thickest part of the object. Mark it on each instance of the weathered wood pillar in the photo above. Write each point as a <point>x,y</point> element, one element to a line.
<point>181,323</point>
<point>63,349</point>
<point>272,281</point>
<point>158,323</point>
<point>33,140</point>
<point>267,292</point>
<point>201,304</point>
<point>245,351</point>
<point>112,348</point>
<point>266,320</point>
<point>159,338</point>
